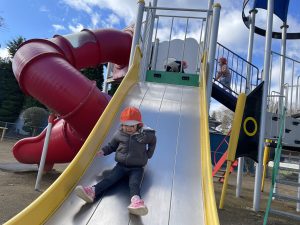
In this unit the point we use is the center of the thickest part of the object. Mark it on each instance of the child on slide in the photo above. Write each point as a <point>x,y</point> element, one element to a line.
<point>133,145</point>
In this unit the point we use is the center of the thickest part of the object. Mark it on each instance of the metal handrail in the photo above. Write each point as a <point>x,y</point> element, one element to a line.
<point>238,80</point>
<point>238,56</point>
<point>178,9</point>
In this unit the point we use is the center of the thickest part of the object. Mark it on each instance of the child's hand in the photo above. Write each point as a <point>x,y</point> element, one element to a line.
<point>100,153</point>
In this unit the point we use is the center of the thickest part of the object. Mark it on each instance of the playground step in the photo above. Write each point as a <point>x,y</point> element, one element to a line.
<point>289,169</point>
<point>287,182</point>
<point>221,171</point>
<point>218,176</point>
<point>286,198</point>
<point>287,214</point>
<point>291,156</point>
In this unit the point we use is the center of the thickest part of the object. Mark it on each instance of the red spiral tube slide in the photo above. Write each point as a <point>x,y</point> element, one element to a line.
<point>48,70</point>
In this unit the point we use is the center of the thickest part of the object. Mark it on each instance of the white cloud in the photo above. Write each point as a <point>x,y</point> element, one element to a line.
<point>114,20</point>
<point>4,53</point>
<point>80,5</point>
<point>127,10</point>
<point>58,27</point>
<point>76,28</point>
<point>44,8</point>
<point>95,17</point>
<point>232,31</point>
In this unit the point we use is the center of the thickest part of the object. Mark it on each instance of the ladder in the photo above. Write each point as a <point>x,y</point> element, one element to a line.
<point>218,172</point>
<point>281,184</point>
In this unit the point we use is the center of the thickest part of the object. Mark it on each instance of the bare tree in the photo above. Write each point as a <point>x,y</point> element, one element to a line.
<point>2,24</point>
<point>225,116</point>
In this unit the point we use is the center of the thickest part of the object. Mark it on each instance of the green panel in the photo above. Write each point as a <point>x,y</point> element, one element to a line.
<point>172,78</point>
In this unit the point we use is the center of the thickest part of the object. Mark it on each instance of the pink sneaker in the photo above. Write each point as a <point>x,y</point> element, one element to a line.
<point>137,206</point>
<point>85,193</point>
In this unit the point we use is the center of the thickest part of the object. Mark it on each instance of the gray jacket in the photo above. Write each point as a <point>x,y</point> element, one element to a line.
<point>132,150</point>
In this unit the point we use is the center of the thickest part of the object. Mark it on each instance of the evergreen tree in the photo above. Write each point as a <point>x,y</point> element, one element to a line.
<point>11,100</point>
<point>113,88</point>
<point>95,74</point>
<point>13,46</point>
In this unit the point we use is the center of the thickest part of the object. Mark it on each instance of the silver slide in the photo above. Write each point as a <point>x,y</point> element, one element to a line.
<point>171,187</point>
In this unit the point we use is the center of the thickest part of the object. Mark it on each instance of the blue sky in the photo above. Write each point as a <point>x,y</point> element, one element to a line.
<point>45,18</point>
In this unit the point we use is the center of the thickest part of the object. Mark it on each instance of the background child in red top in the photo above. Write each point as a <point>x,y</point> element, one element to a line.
<point>224,74</point>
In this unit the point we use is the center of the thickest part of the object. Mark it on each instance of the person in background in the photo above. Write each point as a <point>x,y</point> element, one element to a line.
<point>223,74</point>
<point>133,145</point>
<point>175,66</point>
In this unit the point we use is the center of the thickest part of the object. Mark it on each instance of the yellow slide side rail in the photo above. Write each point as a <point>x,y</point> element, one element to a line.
<point>211,213</point>
<point>234,137</point>
<point>46,204</point>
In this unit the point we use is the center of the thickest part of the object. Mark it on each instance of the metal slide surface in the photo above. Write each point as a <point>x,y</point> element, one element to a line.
<point>172,185</point>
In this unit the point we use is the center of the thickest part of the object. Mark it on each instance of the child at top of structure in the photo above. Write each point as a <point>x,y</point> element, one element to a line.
<point>133,145</point>
<point>224,74</point>
<point>174,65</point>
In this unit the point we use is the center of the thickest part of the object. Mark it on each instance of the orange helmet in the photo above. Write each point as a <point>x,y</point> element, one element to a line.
<point>131,116</point>
<point>223,60</point>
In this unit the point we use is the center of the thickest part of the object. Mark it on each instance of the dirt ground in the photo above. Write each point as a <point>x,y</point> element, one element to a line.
<point>17,191</point>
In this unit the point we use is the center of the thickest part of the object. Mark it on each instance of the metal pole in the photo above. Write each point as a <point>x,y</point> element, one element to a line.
<point>149,41</point>
<point>270,77</point>
<point>200,50</point>
<point>292,88</point>
<point>212,49</point>
<point>298,195</point>
<point>44,152</point>
<point>250,48</point>
<point>248,89</point>
<point>169,43</point>
<point>144,44</point>
<point>286,89</point>
<point>182,57</point>
<point>297,93</point>
<point>108,71</point>
<point>282,61</point>
<point>137,29</point>
<point>156,44</point>
<point>259,167</point>
<point>155,52</point>
<point>207,27</point>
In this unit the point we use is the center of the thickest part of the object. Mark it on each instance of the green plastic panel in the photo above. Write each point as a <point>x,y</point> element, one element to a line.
<point>172,78</point>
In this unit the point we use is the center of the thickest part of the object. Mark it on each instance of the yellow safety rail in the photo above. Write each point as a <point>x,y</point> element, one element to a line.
<point>43,207</point>
<point>265,163</point>
<point>234,137</point>
<point>211,213</point>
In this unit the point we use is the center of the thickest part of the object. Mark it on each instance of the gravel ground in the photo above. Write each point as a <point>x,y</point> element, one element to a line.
<point>17,191</point>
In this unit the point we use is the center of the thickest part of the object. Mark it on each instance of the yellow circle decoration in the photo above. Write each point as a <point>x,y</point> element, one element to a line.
<point>245,128</point>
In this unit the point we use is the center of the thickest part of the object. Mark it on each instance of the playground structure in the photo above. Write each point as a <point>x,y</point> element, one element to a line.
<point>174,104</point>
